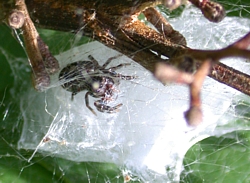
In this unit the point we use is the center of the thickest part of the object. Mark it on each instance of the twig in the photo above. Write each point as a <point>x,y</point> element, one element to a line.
<point>194,114</point>
<point>219,71</point>
<point>231,77</point>
<point>211,10</point>
<point>50,62</point>
<point>166,73</point>
<point>162,25</point>
<point>36,49</point>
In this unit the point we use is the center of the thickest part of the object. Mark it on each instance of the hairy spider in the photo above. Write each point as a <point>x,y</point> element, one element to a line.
<point>96,79</point>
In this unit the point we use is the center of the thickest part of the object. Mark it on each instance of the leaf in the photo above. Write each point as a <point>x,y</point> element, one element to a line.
<point>219,159</point>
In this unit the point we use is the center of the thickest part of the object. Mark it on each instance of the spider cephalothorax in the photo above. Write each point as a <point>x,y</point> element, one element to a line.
<point>96,79</point>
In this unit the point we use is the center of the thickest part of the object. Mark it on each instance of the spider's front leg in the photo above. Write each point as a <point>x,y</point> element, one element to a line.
<point>111,71</point>
<point>109,60</point>
<point>73,95</point>
<point>87,103</point>
<point>102,107</point>
<point>118,66</point>
<point>94,61</point>
<point>118,75</point>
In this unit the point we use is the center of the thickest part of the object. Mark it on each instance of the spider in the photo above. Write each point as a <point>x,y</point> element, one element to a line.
<point>96,79</point>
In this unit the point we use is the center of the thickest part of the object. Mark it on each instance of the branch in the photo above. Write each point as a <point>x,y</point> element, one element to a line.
<point>42,62</point>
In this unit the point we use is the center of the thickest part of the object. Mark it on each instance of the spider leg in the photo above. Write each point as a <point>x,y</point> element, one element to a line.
<point>111,71</point>
<point>94,61</point>
<point>102,107</point>
<point>109,60</point>
<point>87,103</point>
<point>118,75</point>
<point>118,66</point>
<point>114,74</point>
<point>72,95</point>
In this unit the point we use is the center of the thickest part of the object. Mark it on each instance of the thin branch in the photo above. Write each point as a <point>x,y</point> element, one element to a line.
<point>166,73</point>
<point>40,76</point>
<point>36,49</point>
<point>194,114</point>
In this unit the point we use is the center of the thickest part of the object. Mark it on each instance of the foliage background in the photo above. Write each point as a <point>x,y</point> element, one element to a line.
<point>215,159</point>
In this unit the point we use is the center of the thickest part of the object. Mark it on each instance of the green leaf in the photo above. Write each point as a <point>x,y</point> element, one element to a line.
<point>219,159</point>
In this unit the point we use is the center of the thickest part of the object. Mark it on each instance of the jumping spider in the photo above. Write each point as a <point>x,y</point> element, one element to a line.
<point>96,79</point>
